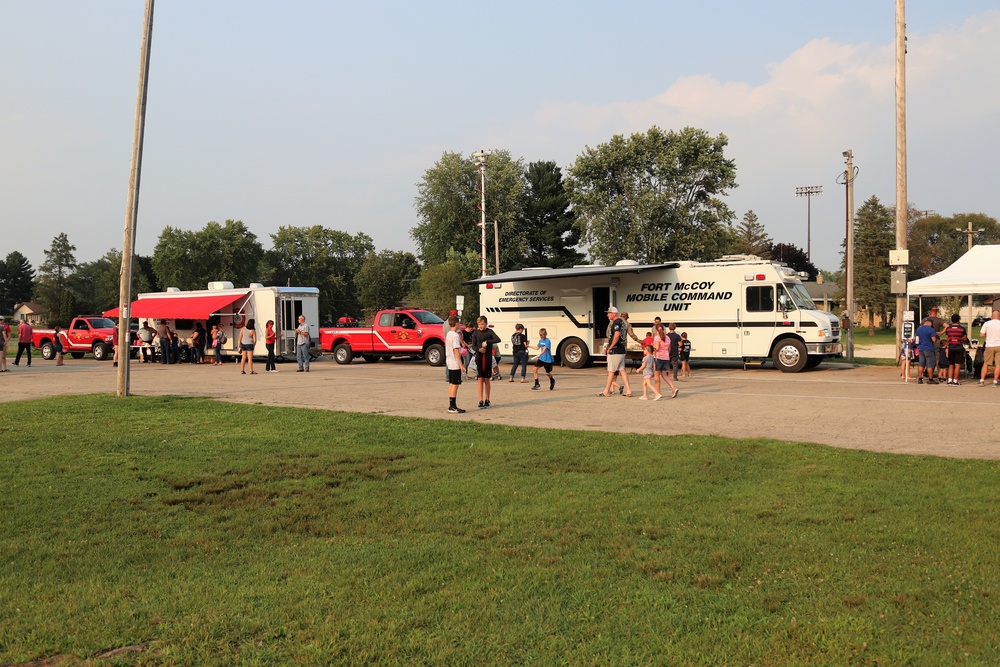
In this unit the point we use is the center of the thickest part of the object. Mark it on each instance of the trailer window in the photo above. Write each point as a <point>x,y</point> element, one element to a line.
<point>760,299</point>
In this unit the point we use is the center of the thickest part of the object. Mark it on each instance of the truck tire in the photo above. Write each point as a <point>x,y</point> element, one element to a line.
<point>342,354</point>
<point>435,354</point>
<point>790,355</point>
<point>101,351</point>
<point>371,358</point>
<point>76,355</point>
<point>574,353</point>
<point>813,362</point>
<point>48,351</point>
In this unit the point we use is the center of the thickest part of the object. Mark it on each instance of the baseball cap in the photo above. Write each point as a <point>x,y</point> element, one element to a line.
<point>612,309</point>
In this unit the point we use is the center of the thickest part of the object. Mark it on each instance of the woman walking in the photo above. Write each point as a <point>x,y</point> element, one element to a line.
<point>248,340</point>
<point>269,338</point>
<point>661,351</point>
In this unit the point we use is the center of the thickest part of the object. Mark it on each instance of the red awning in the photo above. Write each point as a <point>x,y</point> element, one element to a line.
<point>179,307</point>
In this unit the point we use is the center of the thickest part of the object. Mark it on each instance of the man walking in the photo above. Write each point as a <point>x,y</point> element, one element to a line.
<point>302,345</point>
<point>990,333</point>
<point>615,351</point>
<point>675,348</point>
<point>163,332</point>
<point>23,341</point>
<point>927,351</point>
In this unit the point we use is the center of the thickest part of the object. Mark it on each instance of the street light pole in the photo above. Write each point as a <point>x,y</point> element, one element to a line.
<point>808,191</point>
<point>902,207</point>
<point>849,175</point>
<point>481,157</point>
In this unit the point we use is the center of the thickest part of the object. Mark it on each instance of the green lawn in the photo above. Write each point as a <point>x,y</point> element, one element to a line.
<point>222,534</point>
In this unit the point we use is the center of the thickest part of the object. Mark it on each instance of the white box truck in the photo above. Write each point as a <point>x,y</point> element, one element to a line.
<point>737,307</point>
<point>230,308</point>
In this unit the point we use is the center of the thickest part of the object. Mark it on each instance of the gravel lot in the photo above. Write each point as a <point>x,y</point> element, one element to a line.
<point>866,408</point>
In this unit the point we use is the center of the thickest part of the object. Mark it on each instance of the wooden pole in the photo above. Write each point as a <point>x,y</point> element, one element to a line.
<point>132,207</point>
<point>902,209</point>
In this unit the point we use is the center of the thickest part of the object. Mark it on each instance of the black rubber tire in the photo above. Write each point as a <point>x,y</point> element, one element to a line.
<point>371,358</point>
<point>790,355</point>
<point>435,354</point>
<point>574,353</point>
<point>343,354</point>
<point>76,355</point>
<point>813,362</point>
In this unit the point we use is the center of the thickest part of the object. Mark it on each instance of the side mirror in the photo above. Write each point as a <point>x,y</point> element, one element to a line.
<point>783,302</point>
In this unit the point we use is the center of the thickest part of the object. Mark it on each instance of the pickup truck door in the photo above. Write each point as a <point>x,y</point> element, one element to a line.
<point>79,335</point>
<point>396,332</point>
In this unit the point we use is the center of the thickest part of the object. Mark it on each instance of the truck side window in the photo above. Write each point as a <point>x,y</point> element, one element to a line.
<point>760,299</point>
<point>385,320</point>
<point>403,320</point>
<point>80,324</point>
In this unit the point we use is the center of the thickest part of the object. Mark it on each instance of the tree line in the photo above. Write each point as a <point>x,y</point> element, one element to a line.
<point>654,196</point>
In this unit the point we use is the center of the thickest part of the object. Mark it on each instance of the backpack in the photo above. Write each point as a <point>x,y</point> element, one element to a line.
<point>222,337</point>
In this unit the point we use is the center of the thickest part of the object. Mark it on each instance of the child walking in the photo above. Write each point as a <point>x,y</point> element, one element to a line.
<point>648,364</point>
<point>685,353</point>
<point>544,360</point>
<point>483,340</point>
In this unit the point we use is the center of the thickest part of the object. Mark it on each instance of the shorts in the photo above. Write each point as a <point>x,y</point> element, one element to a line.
<point>246,347</point>
<point>484,366</point>
<point>685,356</point>
<point>927,358</point>
<point>990,355</point>
<point>454,376</point>
<point>616,362</point>
<point>956,356</point>
<point>943,357</point>
<point>662,365</point>
<point>547,365</point>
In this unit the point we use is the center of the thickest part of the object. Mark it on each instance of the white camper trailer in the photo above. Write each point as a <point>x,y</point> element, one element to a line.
<point>738,307</point>
<point>230,308</point>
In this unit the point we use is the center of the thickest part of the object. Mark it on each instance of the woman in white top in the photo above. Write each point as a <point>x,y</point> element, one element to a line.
<point>248,341</point>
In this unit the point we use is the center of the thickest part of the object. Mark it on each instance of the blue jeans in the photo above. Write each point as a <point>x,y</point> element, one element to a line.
<point>269,366</point>
<point>520,359</point>
<point>302,356</point>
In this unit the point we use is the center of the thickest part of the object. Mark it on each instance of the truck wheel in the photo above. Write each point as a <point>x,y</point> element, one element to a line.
<point>371,358</point>
<point>342,354</point>
<point>790,355</point>
<point>48,351</point>
<point>76,355</point>
<point>435,354</point>
<point>101,351</point>
<point>574,353</point>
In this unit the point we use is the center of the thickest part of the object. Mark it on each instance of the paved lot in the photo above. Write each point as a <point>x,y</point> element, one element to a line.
<point>867,408</point>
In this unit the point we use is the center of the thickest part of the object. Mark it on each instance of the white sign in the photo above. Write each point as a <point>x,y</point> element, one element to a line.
<point>907,315</point>
<point>460,303</point>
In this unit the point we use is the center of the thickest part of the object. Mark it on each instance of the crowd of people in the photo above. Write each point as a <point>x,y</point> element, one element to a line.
<point>941,352</point>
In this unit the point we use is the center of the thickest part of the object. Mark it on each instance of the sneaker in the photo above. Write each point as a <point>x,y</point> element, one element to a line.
<point>481,405</point>
<point>674,393</point>
<point>658,397</point>
<point>932,381</point>
<point>486,404</point>
<point>921,381</point>
<point>552,384</point>
<point>982,383</point>
<point>956,383</point>
<point>537,386</point>
<point>456,411</point>
<point>994,382</point>
<point>621,389</point>
<point>643,398</point>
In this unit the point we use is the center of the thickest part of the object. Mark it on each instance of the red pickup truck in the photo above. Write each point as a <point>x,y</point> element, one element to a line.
<point>396,333</point>
<point>84,334</point>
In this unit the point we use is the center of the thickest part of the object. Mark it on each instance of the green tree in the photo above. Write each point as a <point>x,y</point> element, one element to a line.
<point>874,237</point>
<point>439,284</point>
<point>654,197</point>
<point>324,258</point>
<point>547,222</point>
<point>17,281</point>
<point>793,256</point>
<point>936,241</point>
<point>448,205</point>
<point>191,259</point>
<point>750,237</point>
<point>385,278</point>
<point>54,275</point>
<point>96,284</point>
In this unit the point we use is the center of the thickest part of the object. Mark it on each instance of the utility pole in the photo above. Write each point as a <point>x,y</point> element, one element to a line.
<point>481,157</point>
<point>902,214</point>
<point>849,175</point>
<point>132,207</point>
<point>807,192</point>
<point>970,233</point>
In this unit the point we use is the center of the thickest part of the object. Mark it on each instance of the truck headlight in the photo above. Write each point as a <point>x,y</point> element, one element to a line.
<point>823,333</point>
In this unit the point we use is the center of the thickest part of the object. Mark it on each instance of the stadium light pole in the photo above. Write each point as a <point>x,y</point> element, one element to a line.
<point>481,157</point>
<point>808,191</point>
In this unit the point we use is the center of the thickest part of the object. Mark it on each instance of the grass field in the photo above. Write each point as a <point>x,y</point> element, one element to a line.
<point>205,533</point>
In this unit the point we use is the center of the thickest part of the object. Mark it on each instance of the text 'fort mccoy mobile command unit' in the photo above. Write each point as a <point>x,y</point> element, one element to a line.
<point>738,307</point>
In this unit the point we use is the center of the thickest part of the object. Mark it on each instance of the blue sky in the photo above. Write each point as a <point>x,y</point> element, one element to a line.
<point>302,112</point>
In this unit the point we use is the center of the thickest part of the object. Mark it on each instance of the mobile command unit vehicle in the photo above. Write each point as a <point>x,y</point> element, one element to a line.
<point>398,332</point>
<point>84,334</point>
<point>737,307</point>
<point>230,308</point>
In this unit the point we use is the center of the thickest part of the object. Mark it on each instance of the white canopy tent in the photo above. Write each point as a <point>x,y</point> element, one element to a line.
<point>975,272</point>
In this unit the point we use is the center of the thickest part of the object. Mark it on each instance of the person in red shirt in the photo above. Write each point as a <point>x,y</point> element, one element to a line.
<point>23,342</point>
<point>5,335</point>
<point>957,338</point>
<point>269,338</point>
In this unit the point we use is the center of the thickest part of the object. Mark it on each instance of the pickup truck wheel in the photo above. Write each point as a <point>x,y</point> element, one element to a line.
<point>790,355</point>
<point>101,351</point>
<point>48,351</point>
<point>574,353</point>
<point>343,354</point>
<point>435,354</point>
<point>76,355</point>
<point>371,358</point>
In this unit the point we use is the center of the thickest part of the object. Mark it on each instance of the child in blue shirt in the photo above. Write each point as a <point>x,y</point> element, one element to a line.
<point>544,359</point>
<point>648,364</point>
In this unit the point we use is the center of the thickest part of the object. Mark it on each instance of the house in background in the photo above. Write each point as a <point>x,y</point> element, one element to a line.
<point>33,313</point>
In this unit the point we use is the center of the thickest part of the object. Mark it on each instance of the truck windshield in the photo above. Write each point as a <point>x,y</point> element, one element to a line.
<point>426,317</point>
<point>101,323</point>
<point>800,297</point>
